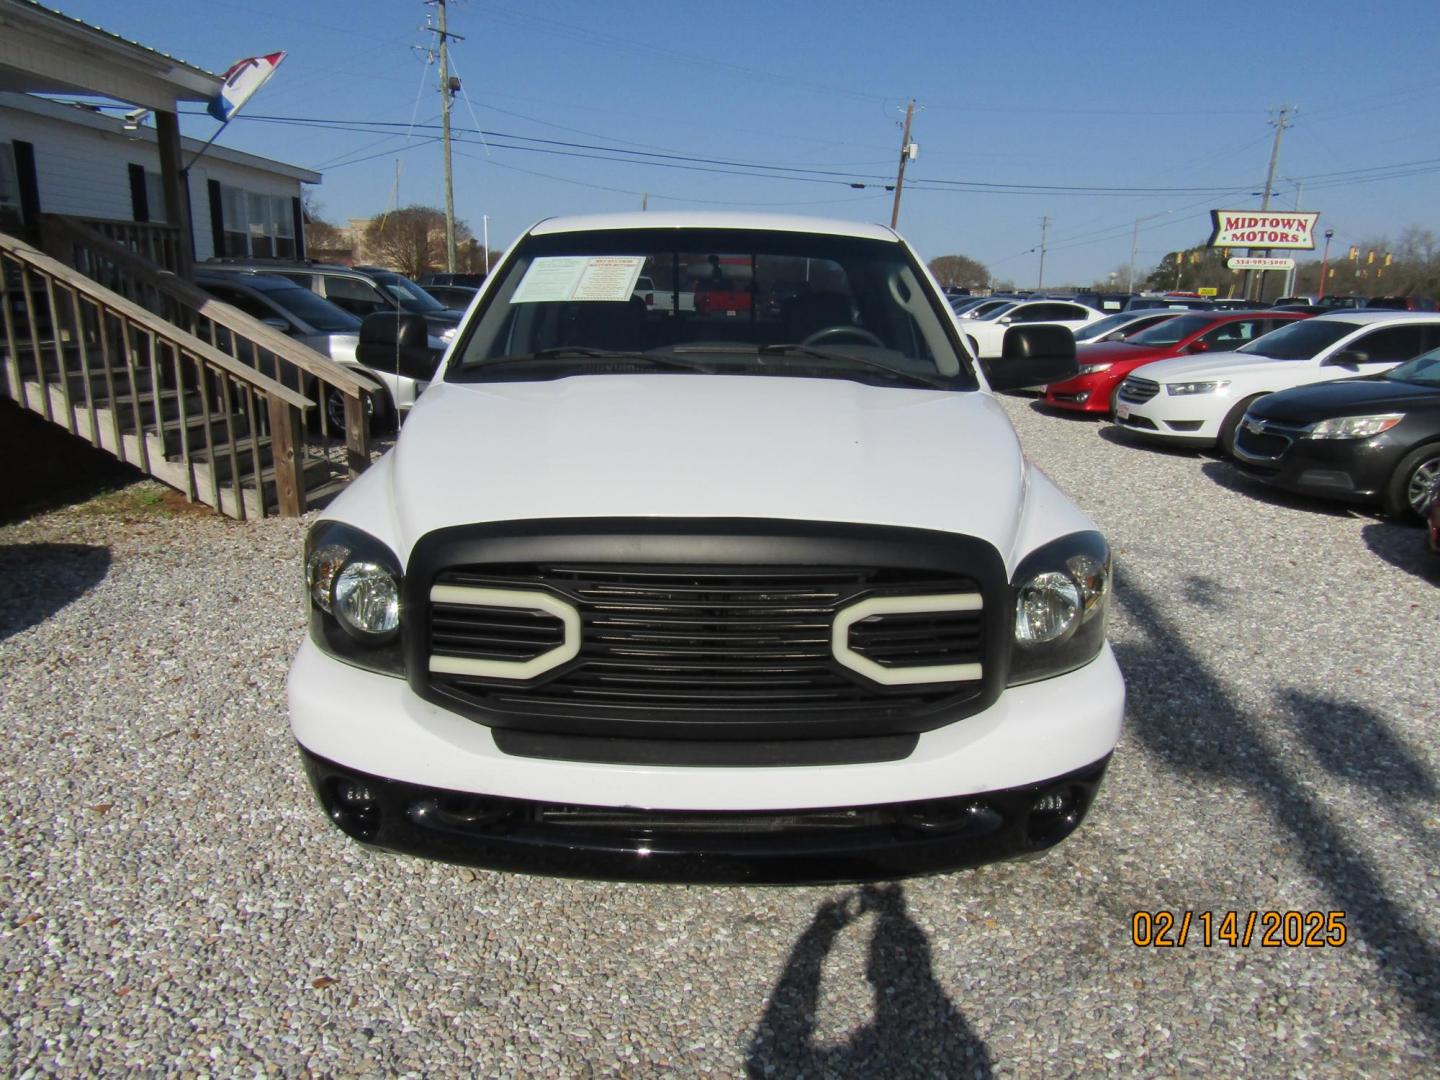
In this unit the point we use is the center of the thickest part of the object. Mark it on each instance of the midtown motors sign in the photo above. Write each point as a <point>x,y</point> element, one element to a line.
<point>1294,229</point>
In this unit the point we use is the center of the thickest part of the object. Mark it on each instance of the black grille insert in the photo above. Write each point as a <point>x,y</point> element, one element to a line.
<point>1137,391</point>
<point>492,633</point>
<point>920,639</point>
<point>708,629</point>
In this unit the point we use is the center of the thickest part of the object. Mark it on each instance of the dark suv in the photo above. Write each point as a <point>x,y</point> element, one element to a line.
<point>361,291</point>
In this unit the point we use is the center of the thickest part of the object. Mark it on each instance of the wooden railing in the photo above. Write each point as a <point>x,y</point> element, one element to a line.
<point>148,391</point>
<point>245,339</point>
<point>155,242</point>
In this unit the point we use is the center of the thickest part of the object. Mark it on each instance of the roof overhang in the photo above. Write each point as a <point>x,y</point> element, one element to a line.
<point>45,52</point>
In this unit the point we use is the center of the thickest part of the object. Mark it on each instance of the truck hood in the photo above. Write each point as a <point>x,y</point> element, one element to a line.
<point>680,445</point>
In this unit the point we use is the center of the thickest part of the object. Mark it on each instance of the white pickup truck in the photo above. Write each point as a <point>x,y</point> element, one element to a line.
<point>770,597</point>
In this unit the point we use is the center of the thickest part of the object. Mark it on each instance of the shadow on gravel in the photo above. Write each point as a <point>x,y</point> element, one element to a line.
<point>916,1030</point>
<point>1182,715</point>
<point>1040,407</point>
<point>1114,433</point>
<point>1232,479</point>
<point>37,580</point>
<point>1403,547</point>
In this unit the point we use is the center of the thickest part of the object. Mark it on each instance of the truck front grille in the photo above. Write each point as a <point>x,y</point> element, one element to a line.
<point>707,639</point>
<point>615,639</point>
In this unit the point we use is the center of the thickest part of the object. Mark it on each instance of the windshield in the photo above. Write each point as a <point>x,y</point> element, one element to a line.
<point>1424,370</point>
<point>1171,331</point>
<point>1299,340</point>
<point>407,294</point>
<point>306,306</point>
<point>986,314</point>
<point>733,302</point>
<point>1108,325</point>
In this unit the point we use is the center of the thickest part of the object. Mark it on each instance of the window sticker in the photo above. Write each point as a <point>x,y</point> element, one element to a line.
<point>560,278</point>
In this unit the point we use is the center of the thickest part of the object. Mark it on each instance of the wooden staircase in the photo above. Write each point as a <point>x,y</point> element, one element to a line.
<point>192,391</point>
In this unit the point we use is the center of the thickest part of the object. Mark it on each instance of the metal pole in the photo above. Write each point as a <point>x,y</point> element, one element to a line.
<point>1324,264</point>
<point>1044,228</point>
<point>485,219</point>
<point>1269,186</point>
<point>904,157</point>
<point>1134,249</point>
<point>445,100</point>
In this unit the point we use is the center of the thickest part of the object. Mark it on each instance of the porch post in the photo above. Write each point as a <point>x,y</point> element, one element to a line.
<point>167,127</point>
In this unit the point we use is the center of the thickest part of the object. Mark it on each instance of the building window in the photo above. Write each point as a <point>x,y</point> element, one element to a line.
<point>155,198</point>
<point>255,225</point>
<point>10,215</point>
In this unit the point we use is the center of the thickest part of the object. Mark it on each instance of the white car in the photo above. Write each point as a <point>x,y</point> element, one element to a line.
<point>986,336</point>
<point>1199,401</point>
<point>641,595</point>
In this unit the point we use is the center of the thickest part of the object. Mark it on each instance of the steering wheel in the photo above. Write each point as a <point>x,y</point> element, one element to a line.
<point>843,330</point>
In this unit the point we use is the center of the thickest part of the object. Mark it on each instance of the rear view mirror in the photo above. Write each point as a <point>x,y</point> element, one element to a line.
<point>1198,346</point>
<point>1005,320</point>
<point>1349,358</point>
<point>1032,356</point>
<point>1114,335</point>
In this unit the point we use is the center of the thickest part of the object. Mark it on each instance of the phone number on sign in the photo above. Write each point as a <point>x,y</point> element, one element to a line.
<point>1238,929</point>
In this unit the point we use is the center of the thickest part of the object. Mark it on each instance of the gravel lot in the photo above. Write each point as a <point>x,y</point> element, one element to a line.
<point>174,901</point>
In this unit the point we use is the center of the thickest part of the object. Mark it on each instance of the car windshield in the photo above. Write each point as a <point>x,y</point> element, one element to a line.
<point>996,312</point>
<point>1171,331</point>
<point>1424,370</point>
<point>732,302</point>
<point>1106,326</point>
<point>306,306</point>
<point>407,294</point>
<point>1299,340</point>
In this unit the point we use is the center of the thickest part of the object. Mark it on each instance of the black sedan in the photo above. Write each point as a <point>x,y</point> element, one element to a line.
<point>1370,440</point>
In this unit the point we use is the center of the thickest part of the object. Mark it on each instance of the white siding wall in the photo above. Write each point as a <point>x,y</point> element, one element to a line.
<point>79,171</point>
<point>84,172</point>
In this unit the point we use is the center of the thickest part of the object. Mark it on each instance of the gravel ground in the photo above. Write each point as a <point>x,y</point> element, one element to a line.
<point>174,901</point>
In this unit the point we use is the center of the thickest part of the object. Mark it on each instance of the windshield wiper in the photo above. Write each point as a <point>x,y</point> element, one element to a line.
<point>850,358</point>
<point>580,352</point>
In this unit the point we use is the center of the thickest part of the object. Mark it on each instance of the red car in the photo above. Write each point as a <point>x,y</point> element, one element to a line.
<point>1104,364</point>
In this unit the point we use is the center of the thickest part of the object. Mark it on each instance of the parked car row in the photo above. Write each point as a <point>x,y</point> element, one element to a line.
<point>1343,405</point>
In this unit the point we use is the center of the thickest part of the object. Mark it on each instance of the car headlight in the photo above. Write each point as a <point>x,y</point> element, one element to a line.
<point>1353,427</point>
<point>354,586</point>
<point>1091,369</point>
<point>1061,594</point>
<point>1213,387</point>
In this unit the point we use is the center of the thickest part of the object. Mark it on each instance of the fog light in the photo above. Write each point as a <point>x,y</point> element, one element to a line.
<point>353,794</point>
<point>1082,397</point>
<point>1054,803</point>
<point>353,808</point>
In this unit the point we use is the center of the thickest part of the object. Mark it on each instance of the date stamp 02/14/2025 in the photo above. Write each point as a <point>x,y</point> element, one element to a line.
<point>1238,929</point>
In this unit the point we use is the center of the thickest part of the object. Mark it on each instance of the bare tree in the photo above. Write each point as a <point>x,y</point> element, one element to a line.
<point>959,271</point>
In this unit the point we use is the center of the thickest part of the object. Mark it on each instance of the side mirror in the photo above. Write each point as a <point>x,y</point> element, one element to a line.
<point>1348,358</point>
<point>1114,335</point>
<point>1198,346</point>
<point>1032,356</point>
<point>398,343</point>
<point>1004,320</point>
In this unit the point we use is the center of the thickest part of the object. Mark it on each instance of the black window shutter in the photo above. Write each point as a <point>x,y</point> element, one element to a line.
<point>217,217</point>
<point>28,182</point>
<point>139,200</point>
<point>298,213</point>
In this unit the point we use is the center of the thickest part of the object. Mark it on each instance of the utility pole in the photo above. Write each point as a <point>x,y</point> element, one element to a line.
<point>907,151</point>
<point>1044,229</point>
<point>448,86</point>
<point>1259,276</point>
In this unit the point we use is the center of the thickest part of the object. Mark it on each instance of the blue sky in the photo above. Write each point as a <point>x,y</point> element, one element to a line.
<point>1152,96</point>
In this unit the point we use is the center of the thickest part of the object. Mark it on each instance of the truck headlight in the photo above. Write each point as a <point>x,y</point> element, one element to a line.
<point>1179,388</point>
<point>354,586</point>
<point>1353,427</point>
<point>1061,595</point>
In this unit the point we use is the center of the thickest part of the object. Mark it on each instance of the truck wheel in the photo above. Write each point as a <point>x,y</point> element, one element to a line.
<point>1410,486</point>
<point>1226,438</point>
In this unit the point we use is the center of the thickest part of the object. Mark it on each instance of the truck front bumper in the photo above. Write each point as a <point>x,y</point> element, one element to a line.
<point>398,772</point>
<point>827,845</point>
